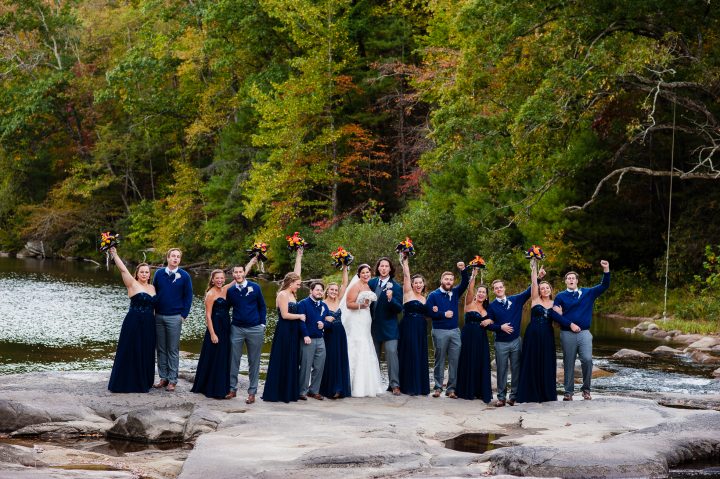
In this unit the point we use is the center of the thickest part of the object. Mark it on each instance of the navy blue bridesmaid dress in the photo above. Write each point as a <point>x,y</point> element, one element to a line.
<point>473,377</point>
<point>413,350</point>
<point>212,377</point>
<point>336,375</point>
<point>133,370</point>
<point>538,377</point>
<point>282,383</point>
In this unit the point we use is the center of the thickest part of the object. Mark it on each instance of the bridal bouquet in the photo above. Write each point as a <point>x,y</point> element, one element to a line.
<point>296,242</point>
<point>258,249</point>
<point>366,297</point>
<point>108,239</point>
<point>341,257</point>
<point>477,262</point>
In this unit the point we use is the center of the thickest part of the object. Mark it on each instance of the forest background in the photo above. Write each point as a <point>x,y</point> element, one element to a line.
<point>474,127</point>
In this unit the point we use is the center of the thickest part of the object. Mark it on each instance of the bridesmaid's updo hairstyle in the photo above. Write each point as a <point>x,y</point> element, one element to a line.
<point>289,279</point>
<point>362,267</point>
<point>212,278</point>
<point>137,269</point>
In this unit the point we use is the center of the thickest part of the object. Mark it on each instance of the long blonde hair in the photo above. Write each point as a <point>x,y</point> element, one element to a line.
<point>212,277</point>
<point>289,279</point>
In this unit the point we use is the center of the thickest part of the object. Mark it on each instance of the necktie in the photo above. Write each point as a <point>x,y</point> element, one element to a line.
<point>575,294</point>
<point>505,303</point>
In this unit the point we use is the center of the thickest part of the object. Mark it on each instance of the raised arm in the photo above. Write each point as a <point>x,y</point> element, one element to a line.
<point>470,296</point>
<point>253,261</point>
<point>407,284</point>
<point>127,278</point>
<point>298,262</point>
<point>209,302</point>
<point>344,284</point>
<point>534,289</point>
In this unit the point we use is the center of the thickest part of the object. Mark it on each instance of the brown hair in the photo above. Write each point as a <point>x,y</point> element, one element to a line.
<point>551,288</point>
<point>212,277</point>
<point>171,250</point>
<point>289,279</point>
<point>315,283</point>
<point>416,276</point>
<point>496,282</point>
<point>362,267</point>
<point>392,267</point>
<point>486,301</point>
<point>577,276</point>
<point>137,269</point>
<point>445,273</point>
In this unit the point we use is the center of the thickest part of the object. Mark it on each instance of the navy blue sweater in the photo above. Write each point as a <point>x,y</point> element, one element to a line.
<point>248,305</point>
<point>385,313</point>
<point>446,302</point>
<point>511,313</point>
<point>174,292</point>
<point>579,310</point>
<point>313,314</point>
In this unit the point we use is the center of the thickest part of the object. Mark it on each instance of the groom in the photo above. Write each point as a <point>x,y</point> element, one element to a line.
<point>384,313</point>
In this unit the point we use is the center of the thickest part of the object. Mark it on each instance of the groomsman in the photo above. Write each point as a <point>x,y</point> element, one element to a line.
<point>312,349</point>
<point>442,305</point>
<point>384,311</point>
<point>174,299</point>
<point>249,317</point>
<point>576,305</point>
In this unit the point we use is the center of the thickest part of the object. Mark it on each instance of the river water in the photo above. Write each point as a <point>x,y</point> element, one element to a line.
<point>62,315</point>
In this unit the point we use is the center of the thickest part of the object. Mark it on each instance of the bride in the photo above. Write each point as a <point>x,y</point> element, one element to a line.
<point>365,377</point>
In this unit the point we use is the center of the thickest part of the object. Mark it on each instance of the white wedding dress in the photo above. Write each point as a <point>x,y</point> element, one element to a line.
<point>365,379</point>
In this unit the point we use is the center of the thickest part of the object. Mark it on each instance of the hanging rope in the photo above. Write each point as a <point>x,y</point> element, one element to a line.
<point>667,247</point>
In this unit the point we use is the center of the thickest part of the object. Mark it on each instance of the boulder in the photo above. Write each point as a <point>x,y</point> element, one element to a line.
<point>152,425</point>
<point>15,415</point>
<point>69,429</point>
<point>642,326</point>
<point>653,326</point>
<point>674,332</point>
<point>666,351</point>
<point>701,357</point>
<point>716,373</point>
<point>687,338</point>
<point>650,333</point>
<point>201,421</point>
<point>626,330</point>
<point>704,344</point>
<point>660,334</point>
<point>630,354</point>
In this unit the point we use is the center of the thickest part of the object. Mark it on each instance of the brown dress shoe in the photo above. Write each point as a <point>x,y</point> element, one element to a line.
<point>302,397</point>
<point>231,394</point>
<point>161,384</point>
<point>170,388</point>
<point>586,395</point>
<point>396,391</point>
<point>319,397</point>
<point>500,403</point>
<point>452,395</point>
<point>250,399</point>
<point>567,397</point>
<point>511,402</point>
<point>436,393</point>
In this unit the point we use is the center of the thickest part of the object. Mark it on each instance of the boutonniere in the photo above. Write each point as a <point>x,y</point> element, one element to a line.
<point>249,290</point>
<point>177,277</point>
<point>509,303</point>
<point>322,311</point>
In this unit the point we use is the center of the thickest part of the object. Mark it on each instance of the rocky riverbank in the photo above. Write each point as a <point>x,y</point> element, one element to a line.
<point>697,348</point>
<point>386,436</point>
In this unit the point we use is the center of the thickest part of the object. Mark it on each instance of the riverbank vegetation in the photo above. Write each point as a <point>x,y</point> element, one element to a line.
<point>474,127</point>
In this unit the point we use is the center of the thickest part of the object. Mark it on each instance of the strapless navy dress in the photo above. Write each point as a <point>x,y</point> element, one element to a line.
<point>336,375</point>
<point>212,377</point>
<point>538,377</point>
<point>413,350</point>
<point>133,370</point>
<point>282,383</point>
<point>473,380</point>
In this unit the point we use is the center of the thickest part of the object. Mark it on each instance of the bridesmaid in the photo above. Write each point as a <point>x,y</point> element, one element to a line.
<point>474,365</point>
<point>133,370</point>
<point>212,376</point>
<point>538,377</point>
<point>336,375</point>
<point>413,343</point>
<point>282,382</point>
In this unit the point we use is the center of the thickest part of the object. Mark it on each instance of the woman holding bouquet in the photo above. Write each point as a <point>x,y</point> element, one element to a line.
<point>212,377</point>
<point>474,365</point>
<point>133,370</point>
<point>282,383</point>
<point>336,375</point>
<point>365,379</point>
<point>413,344</point>
<point>538,377</point>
